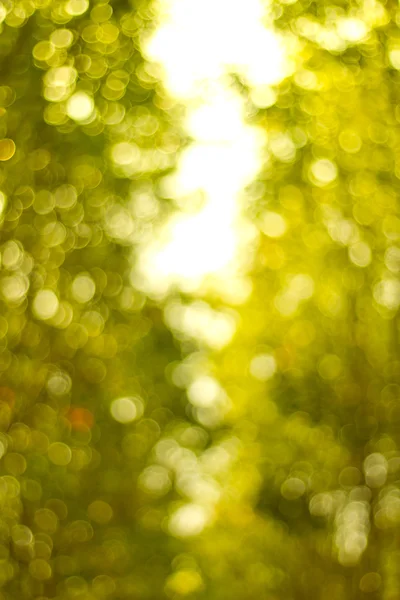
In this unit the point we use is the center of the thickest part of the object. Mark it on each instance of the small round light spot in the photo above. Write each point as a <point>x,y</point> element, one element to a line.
<point>45,304</point>
<point>62,38</point>
<point>360,254</point>
<point>83,288</point>
<point>100,512</point>
<point>352,29</point>
<point>323,172</point>
<point>46,520</point>
<point>188,520</point>
<point>370,582</point>
<point>350,141</point>
<point>43,50</point>
<point>387,293</point>
<point>125,153</point>
<point>204,391</point>
<point>40,569</point>
<point>21,535</point>
<point>155,480</point>
<point>60,454</point>
<point>76,7</point>
<point>263,367</point>
<point>273,225</point>
<point>7,149</point>
<point>59,384</point>
<point>80,106</point>
<point>126,410</point>
<point>330,366</point>
<point>293,488</point>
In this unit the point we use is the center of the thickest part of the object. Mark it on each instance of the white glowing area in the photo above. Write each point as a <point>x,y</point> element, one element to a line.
<point>198,42</point>
<point>224,158</point>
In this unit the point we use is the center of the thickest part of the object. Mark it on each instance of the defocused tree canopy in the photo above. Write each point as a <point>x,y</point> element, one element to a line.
<point>179,445</point>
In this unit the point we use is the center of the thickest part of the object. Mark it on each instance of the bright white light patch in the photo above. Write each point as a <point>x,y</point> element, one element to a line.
<point>76,7</point>
<point>216,35</point>
<point>387,293</point>
<point>263,96</point>
<point>263,367</point>
<point>226,158</point>
<point>125,153</point>
<point>45,304</point>
<point>323,172</point>
<point>204,391</point>
<point>273,225</point>
<point>198,44</point>
<point>118,222</point>
<point>80,106</point>
<point>199,321</point>
<point>198,246</point>
<point>218,119</point>
<point>62,38</point>
<point>61,76</point>
<point>127,409</point>
<point>83,288</point>
<point>188,520</point>
<point>352,29</point>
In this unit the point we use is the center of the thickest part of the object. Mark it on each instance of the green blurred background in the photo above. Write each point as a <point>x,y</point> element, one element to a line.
<point>199,433</point>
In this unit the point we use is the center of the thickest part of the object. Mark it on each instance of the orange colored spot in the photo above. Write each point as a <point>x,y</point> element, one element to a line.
<point>80,418</point>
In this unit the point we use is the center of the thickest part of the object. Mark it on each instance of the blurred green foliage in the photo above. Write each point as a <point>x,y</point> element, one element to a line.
<point>136,464</point>
<point>86,132</point>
